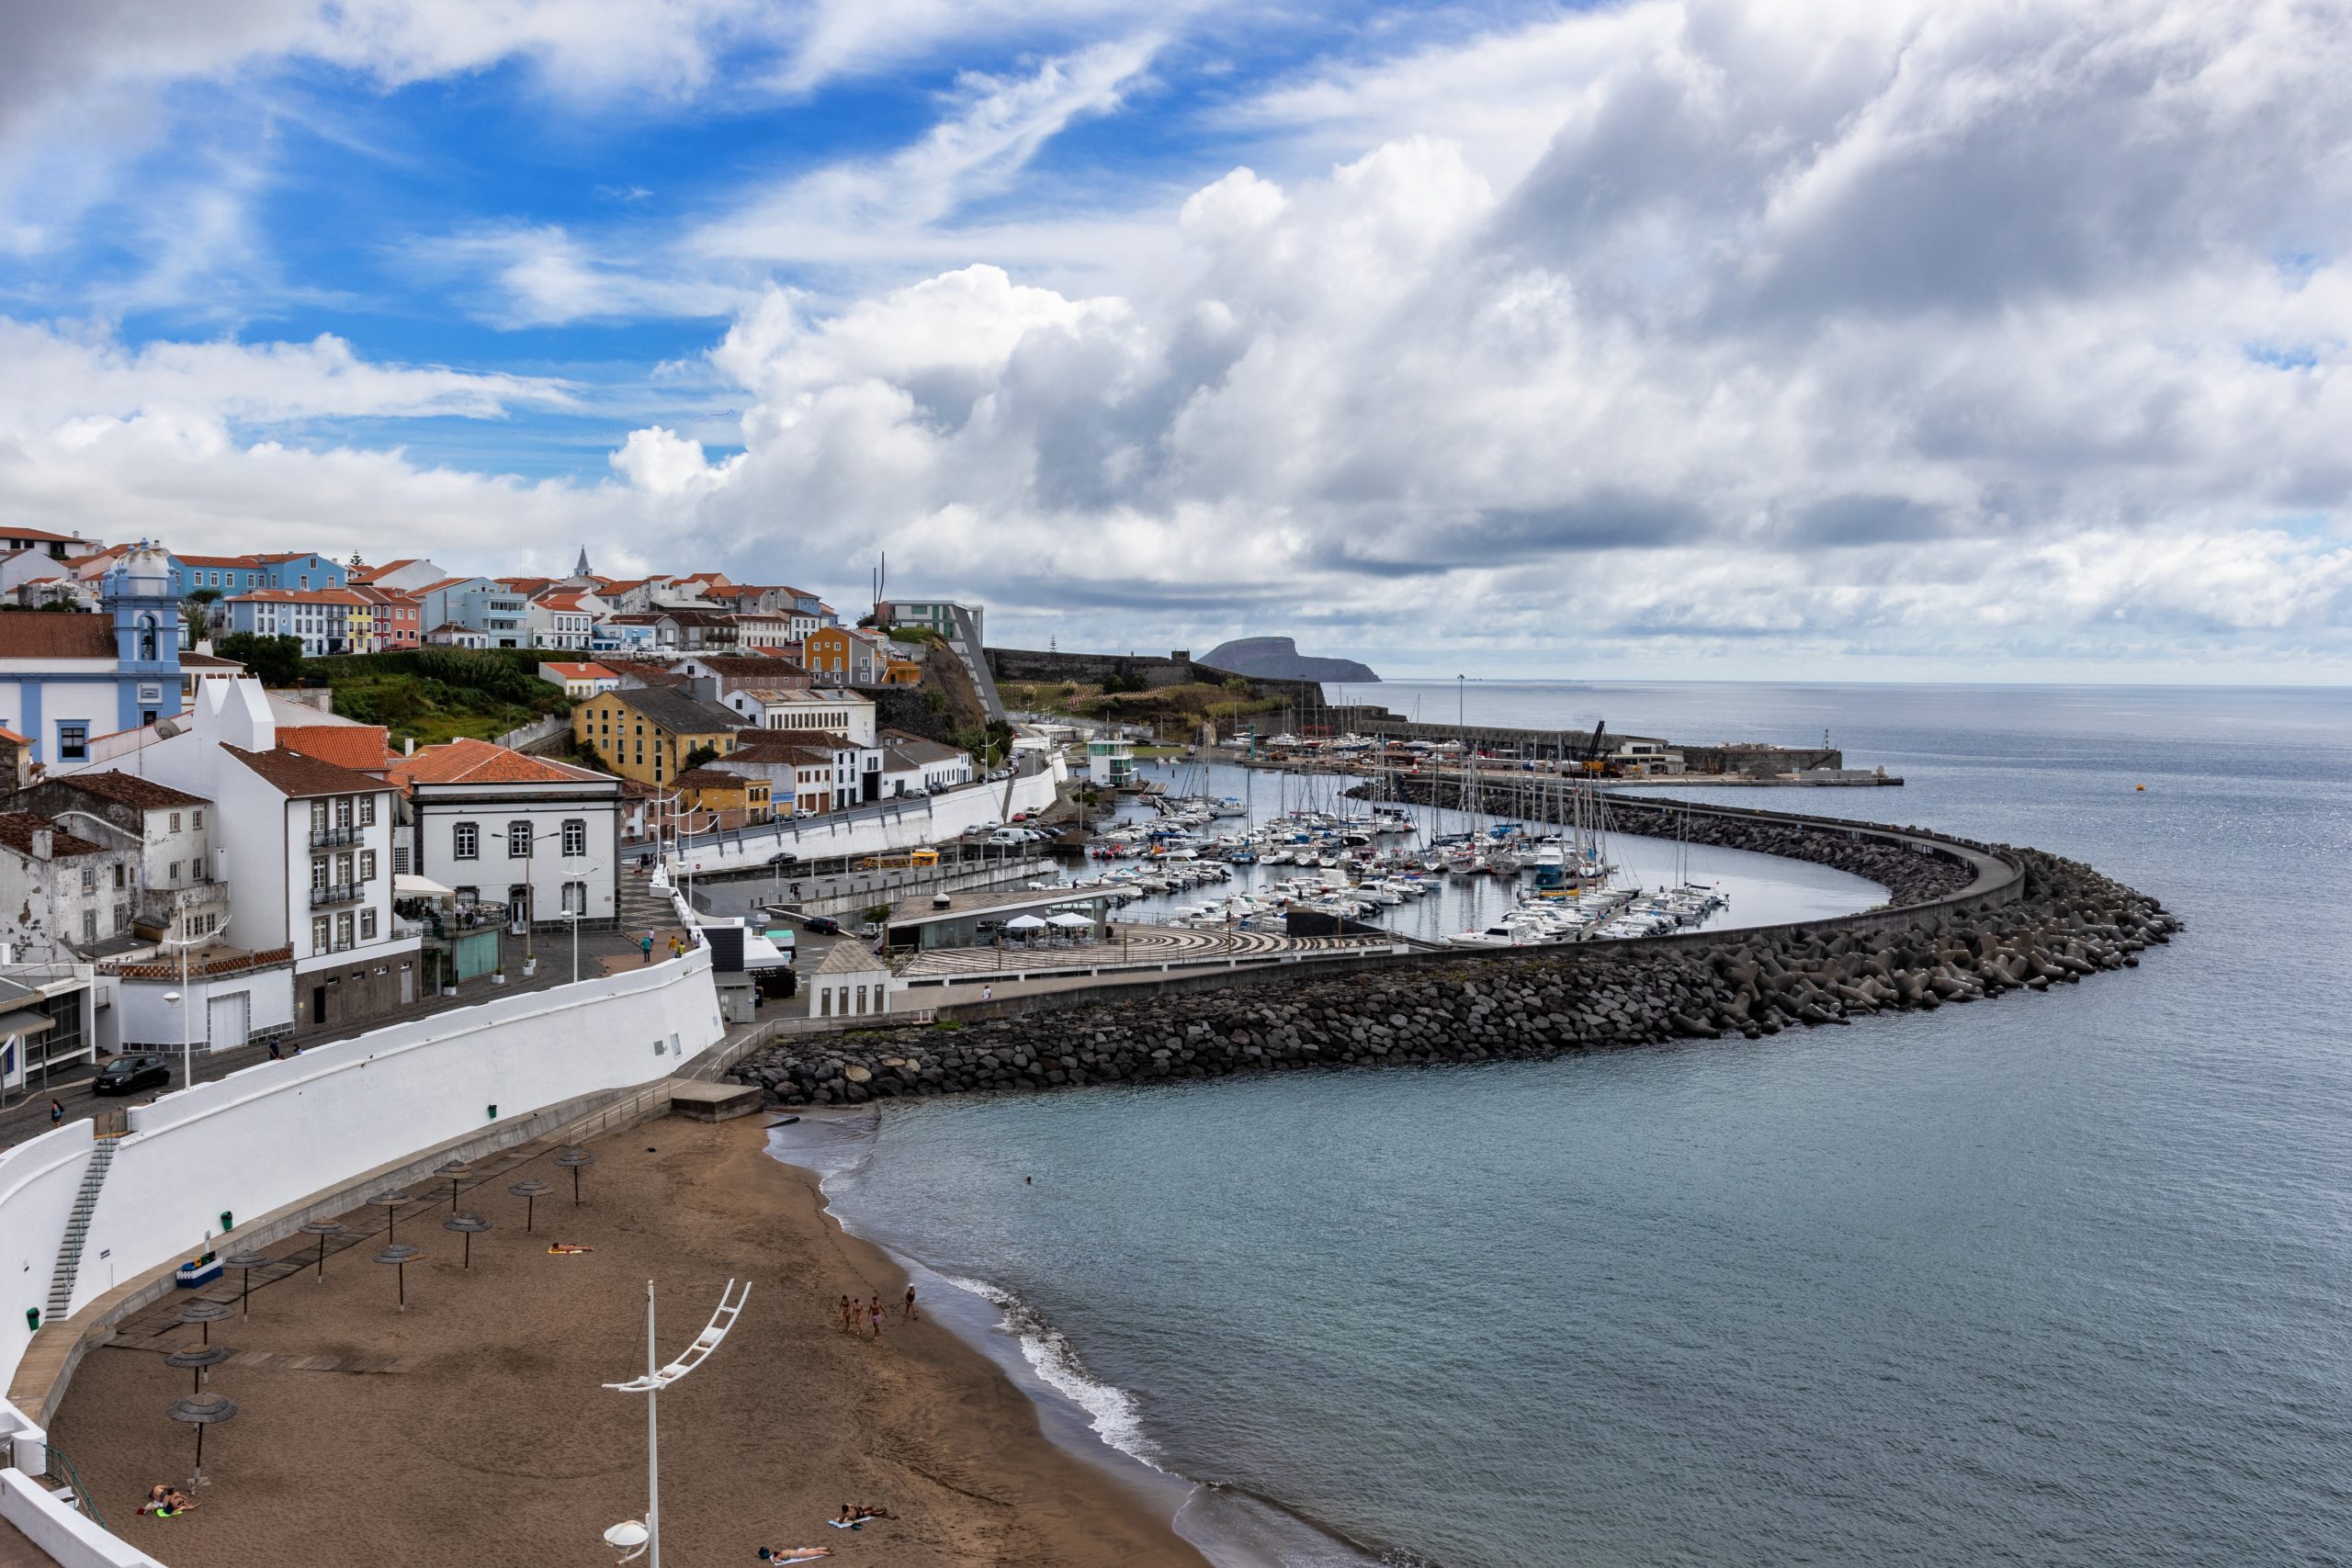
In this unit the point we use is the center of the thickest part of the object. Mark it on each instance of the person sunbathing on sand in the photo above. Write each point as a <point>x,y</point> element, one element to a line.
<point>793,1553</point>
<point>866,1513</point>
<point>159,1496</point>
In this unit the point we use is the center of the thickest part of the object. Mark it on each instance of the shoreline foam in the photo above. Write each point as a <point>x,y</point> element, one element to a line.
<point>1096,1420</point>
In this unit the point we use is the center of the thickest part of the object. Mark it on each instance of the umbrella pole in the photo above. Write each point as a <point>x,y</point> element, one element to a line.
<point>323,1260</point>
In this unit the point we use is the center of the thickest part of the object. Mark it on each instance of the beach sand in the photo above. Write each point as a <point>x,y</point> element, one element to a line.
<point>487,1440</point>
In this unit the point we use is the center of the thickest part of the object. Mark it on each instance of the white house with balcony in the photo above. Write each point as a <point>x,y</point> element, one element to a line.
<point>305,848</point>
<point>539,837</point>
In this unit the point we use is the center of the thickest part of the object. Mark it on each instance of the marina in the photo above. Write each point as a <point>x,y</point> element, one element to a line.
<point>1221,847</point>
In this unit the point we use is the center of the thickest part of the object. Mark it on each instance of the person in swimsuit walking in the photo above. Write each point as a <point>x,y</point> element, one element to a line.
<point>908,1311</point>
<point>848,1315</point>
<point>874,1313</point>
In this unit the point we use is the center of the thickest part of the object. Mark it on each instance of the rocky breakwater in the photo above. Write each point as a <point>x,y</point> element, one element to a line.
<point>1908,877</point>
<point>2066,924</point>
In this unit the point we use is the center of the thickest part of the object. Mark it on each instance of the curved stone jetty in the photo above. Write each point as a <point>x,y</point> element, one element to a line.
<point>1996,919</point>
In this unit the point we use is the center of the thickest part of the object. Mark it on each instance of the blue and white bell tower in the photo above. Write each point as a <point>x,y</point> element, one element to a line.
<point>146,614</point>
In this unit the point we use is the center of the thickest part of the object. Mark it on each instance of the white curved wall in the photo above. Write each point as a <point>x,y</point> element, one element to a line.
<point>277,1131</point>
<point>38,1183</point>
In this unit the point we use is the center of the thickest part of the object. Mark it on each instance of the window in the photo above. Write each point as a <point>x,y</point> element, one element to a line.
<point>343,930</point>
<point>343,870</point>
<point>175,871</point>
<point>89,879</point>
<point>465,841</point>
<point>319,933</point>
<point>367,811</point>
<point>367,925</point>
<point>73,743</point>
<point>121,919</point>
<point>575,897</point>
<point>343,811</point>
<point>89,925</point>
<point>121,877</point>
<point>319,874</point>
<point>518,840</point>
<point>575,836</point>
<point>367,865</point>
<point>175,821</point>
<point>399,860</point>
<point>318,817</point>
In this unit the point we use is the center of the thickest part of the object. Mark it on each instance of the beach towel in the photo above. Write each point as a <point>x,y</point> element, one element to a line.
<point>838,1525</point>
<point>566,1249</point>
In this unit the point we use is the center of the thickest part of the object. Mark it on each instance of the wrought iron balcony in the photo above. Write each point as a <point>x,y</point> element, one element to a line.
<point>325,838</point>
<point>338,892</point>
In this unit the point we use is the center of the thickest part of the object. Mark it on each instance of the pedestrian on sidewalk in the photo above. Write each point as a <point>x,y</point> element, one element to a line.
<point>645,949</point>
<point>274,1053</point>
<point>56,1114</point>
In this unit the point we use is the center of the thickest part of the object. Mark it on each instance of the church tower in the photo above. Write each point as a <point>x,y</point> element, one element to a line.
<point>146,612</point>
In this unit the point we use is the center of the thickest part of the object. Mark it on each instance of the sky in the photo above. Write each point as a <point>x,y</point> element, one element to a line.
<point>1674,339</point>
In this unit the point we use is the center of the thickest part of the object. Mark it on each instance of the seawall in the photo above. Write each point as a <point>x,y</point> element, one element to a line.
<point>1970,921</point>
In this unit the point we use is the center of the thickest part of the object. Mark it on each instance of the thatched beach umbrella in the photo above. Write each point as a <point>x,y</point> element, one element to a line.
<point>456,1171</point>
<point>400,1255</point>
<point>530,1191</point>
<point>199,1361</point>
<point>471,1225</point>
<point>323,1229</point>
<point>245,1263</point>
<point>199,1411</point>
<point>207,1314</point>
<point>391,1203</point>
<point>575,1161</point>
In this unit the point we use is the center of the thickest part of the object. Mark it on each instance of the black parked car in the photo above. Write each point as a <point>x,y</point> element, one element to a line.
<point>129,1075</point>
<point>822,925</point>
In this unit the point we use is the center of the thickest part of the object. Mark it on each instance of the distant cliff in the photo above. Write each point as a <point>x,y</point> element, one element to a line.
<point>1278,659</point>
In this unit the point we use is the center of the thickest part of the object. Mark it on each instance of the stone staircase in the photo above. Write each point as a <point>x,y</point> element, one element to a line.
<point>77,1227</point>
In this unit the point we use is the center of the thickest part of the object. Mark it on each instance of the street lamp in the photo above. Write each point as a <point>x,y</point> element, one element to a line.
<point>656,1379</point>
<point>179,999</point>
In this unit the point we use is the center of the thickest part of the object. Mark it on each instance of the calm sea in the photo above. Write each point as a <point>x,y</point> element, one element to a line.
<point>2060,1278</point>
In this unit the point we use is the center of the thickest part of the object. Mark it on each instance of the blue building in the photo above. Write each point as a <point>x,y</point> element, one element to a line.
<point>228,575</point>
<point>67,679</point>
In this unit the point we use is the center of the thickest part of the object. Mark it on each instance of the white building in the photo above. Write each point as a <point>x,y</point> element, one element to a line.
<point>542,837</point>
<point>849,982</point>
<point>62,894</point>
<point>831,711</point>
<point>306,848</point>
<point>579,679</point>
<point>911,764</point>
<point>561,620</point>
<point>175,893</point>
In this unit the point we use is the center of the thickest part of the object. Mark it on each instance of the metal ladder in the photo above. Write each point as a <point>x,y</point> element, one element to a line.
<point>77,1227</point>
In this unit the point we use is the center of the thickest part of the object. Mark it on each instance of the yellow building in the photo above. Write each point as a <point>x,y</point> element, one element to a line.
<point>730,800</point>
<point>646,732</point>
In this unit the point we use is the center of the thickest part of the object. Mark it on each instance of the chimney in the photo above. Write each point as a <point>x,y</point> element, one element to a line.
<point>704,688</point>
<point>408,747</point>
<point>44,843</point>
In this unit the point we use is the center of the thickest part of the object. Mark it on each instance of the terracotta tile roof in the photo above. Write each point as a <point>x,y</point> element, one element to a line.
<point>561,601</point>
<point>444,582</point>
<point>711,778</point>
<point>20,532</point>
<point>132,790</point>
<point>12,734</point>
<point>364,748</point>
<point>299,596</point>
<point>246,561</point>
<point>291,773</point>
<point>207,661</point>
<point>478,761</point>
<point>735,664</point>
<point>573,672</point>
<point>17,828</point>
<point>69,635</point>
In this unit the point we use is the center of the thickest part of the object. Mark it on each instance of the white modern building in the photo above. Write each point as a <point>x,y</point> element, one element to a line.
<point>495,826</point>
<point>831,711</point>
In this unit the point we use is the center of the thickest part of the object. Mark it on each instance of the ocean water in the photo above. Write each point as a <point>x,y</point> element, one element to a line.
<point>2061,1278</point>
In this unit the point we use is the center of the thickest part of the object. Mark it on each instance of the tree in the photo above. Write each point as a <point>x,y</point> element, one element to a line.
<point>272,660</point>
<point>700,757</point>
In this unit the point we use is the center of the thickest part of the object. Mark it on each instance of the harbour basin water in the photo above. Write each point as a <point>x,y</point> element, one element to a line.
<point>2052,1278</point>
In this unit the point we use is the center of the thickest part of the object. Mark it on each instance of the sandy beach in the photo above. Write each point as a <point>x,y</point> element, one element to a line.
<point>473,1429</point>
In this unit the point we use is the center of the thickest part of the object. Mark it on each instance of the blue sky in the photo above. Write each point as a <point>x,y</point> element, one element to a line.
<point>1647,340</point>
